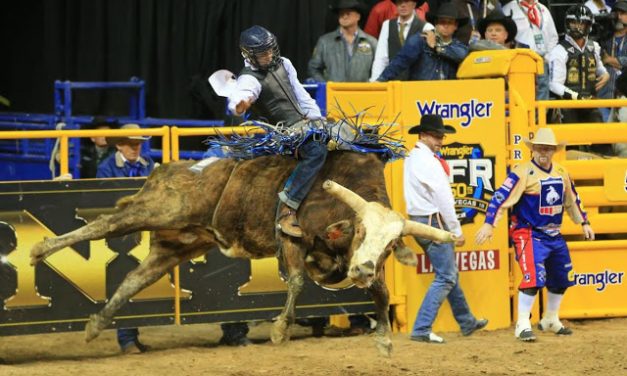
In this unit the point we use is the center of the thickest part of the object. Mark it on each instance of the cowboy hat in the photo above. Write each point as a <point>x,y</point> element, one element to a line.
<point>447,10</point>
<point>349,4</point>
<point>620,5</point>
<point>117,140</point>
<point>100,121</point>
<point>431,123</point>
<point>544,136</point>
<point>496,16</point>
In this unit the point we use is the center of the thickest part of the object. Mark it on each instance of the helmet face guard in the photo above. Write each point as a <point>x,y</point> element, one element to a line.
<point>578,21</point>
<point>259,46</point>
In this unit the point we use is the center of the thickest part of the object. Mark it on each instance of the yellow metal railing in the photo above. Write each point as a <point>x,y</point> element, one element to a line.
<point>65,135</point>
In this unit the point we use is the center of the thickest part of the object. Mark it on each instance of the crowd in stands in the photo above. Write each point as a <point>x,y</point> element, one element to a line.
<point>427,40</point>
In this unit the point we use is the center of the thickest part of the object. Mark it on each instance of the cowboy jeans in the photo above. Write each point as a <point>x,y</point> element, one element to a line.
<point>312,154</point>
<point>542,83</point>
<point>444,286</point>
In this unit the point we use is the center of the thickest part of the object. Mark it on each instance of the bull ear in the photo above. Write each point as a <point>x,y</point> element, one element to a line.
<point>423,231</point>
<point>339,234</point>
<point>349,197</point>
<point>405,255</point>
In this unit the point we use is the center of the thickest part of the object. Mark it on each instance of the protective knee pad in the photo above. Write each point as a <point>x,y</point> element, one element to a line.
<point>556,290</point>
<point>532,291</point>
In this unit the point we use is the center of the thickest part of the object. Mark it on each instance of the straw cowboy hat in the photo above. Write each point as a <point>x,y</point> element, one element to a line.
<point>544,136</point>
<point>116,140</point>
<point>431,123</point>
<point>496,16</point>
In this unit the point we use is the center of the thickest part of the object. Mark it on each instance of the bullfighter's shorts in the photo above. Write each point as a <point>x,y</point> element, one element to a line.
<point>543,260</point>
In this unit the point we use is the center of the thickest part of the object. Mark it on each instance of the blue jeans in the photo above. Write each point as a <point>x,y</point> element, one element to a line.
<point>126,336</point>
<point>444,286</point>
<point>312,154</point>
<point>542,84</point>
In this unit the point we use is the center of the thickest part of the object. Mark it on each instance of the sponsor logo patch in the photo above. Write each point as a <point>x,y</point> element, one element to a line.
<point>472,179</point>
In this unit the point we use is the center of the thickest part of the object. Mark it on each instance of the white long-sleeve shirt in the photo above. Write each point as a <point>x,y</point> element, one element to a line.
<point>557,59</point>
<point>427,189</point>
<point>381,57</point>
<point>541,40</point>
<point>248,87</point>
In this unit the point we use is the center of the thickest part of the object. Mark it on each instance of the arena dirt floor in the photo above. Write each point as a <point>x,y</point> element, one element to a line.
<point>598,347</point>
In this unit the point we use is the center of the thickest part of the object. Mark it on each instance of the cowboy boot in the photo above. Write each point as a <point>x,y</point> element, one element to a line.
<point>288,223</point>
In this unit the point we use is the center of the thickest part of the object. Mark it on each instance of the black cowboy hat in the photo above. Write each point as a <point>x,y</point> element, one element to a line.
<point>355,5</point>
<point>447,10</point>
<point>431,123</point>
<point>100,121</point>
<point>496,16</point>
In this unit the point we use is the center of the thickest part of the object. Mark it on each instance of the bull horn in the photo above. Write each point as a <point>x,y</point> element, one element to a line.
<point>423,231</point>
<point>350,198</point>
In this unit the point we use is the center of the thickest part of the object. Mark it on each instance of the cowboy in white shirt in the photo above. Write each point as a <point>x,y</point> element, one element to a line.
<point>430,201</point>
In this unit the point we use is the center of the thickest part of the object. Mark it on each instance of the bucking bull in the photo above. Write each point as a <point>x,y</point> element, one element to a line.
<point>349,228</point>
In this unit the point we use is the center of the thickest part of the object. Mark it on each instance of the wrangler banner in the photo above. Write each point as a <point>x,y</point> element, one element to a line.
<point>60,293</point>
<point>476,155</point>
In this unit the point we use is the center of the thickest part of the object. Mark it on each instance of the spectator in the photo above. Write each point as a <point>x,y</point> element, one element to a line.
<point>577,71</point>
<point>536,29</point>
<point>430,201</point>
<point>393,35</point>
<point>386,10</point>
<point>497,32</point>
<point>474,11</point>
<point>538,192</point>
<point>128,160</point>
<point>344,55</point>
<point>614,54</point>
<point>435,56</point>
<point>96,149</point>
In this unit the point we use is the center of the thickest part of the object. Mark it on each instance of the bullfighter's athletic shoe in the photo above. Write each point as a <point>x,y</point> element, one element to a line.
<point>555,326</point>
<point>429,338</point>
<point>523,332</point>
<point>288,223</point>
<point>479,324</point>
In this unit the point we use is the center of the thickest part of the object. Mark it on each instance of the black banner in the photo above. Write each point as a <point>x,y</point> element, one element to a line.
<point>59,293</point>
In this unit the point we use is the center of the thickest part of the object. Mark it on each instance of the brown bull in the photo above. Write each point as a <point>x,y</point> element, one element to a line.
<point>232,204</point>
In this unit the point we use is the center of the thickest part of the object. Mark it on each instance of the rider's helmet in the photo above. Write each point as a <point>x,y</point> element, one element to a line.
<point>256,43</point>
<point>578,21</point>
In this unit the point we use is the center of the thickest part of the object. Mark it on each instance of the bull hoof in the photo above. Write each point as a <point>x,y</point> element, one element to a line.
<point>384,345</point>
<point>280,333</point>
<point>38,252</point>
<point>94,326</point>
